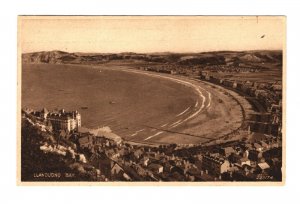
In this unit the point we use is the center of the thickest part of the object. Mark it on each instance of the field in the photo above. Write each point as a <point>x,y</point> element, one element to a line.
<point>138,106</point>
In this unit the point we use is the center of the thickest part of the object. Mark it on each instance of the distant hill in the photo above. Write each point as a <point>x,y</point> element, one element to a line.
<point>190,59</point>
<point>262,56</point>
<point>51,57</point>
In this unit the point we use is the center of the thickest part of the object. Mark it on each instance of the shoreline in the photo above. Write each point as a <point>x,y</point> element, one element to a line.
<point>183,80</point>
<point>169,77</point>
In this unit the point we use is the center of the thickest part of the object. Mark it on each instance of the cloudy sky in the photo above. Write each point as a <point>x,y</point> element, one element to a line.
<point>150,34</point>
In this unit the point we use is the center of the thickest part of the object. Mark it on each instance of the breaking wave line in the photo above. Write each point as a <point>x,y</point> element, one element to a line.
<point>184,111</point>
<point>158,133</point>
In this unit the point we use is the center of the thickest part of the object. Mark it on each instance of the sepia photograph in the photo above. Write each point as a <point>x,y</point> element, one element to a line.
<point>151,100</point>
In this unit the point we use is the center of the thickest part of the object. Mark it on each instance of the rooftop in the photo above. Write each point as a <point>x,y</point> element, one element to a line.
<point>263,165</point>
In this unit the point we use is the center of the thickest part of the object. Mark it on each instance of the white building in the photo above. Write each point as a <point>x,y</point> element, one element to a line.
<point>62,120</point>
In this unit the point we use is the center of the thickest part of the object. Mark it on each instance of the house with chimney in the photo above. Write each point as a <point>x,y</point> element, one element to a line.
<point>215,165</point>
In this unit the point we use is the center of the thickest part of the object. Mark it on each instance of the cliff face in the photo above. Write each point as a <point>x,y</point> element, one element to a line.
<point>53,57</point>
<point>209,58</point>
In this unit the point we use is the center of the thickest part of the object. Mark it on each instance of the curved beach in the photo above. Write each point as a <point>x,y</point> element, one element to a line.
<point>139,106</point>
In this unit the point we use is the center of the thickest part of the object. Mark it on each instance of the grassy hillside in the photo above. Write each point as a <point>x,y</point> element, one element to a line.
<point>206,58</point>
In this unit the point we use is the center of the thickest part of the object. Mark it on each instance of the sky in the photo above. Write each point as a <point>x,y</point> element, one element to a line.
<point>142,34</point>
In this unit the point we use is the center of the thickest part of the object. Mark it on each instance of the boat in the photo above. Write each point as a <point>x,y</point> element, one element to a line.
<point>112,102</point>
<point>84,107</point>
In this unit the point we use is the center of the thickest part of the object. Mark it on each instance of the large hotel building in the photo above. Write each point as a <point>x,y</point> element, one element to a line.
<point>62,120</point>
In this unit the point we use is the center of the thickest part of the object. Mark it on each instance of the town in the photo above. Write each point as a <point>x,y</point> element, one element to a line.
<point>251,153</point>
<point>103,158</point>
<point>264,96</point>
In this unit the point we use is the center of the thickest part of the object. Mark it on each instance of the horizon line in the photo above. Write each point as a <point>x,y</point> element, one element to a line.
<point>171,52</point>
